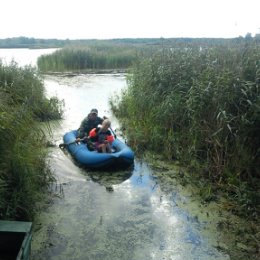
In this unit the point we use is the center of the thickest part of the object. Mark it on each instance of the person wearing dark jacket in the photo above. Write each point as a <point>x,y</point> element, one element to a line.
<point>91,121</point>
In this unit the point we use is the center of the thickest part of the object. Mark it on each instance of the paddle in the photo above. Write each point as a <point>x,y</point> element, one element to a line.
<point>62,146</point>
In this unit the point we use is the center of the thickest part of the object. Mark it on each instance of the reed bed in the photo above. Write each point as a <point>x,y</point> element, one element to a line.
<point>85,57</point>
<point>24,172</point>
<point>200,106</point>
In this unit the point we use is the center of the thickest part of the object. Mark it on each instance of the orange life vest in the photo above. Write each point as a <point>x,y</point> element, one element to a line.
<point>101,136</point>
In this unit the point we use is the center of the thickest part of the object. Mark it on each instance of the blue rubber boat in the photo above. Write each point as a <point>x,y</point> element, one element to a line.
<point>121,157</point>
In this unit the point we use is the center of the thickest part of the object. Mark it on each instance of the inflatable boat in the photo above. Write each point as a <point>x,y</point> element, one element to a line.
<point>121,157</point>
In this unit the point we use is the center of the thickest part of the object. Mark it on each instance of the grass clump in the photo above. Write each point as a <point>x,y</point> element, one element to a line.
<point>24,171</point>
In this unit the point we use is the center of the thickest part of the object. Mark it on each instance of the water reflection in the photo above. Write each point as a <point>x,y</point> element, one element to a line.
<point>109,179</point>
<point>176,233</point>
<point>135,221</point>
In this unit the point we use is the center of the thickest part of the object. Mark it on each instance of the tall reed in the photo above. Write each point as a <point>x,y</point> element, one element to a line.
<point>201,106</point>
<point>82,57</point>
<point>24,171</point>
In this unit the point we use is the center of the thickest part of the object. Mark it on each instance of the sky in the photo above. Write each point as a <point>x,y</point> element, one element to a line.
<point>109,19</point>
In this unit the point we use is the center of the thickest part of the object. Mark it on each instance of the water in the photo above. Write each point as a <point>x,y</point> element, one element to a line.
<point>136,214</point>
<point>23,56</point>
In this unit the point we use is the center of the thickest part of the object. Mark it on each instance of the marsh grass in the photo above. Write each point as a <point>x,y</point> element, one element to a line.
<point>92,56</point>
<point>24,172</point>
<point>200,106</point>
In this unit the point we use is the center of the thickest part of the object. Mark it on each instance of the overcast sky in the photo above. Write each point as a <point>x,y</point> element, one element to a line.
<point>106,19</point>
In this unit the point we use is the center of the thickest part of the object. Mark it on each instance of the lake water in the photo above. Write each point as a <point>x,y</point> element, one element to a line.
<point>137,214</point>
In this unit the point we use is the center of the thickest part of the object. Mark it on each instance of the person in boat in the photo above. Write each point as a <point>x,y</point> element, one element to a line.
<point>102,137</point>
<point>92,120</point>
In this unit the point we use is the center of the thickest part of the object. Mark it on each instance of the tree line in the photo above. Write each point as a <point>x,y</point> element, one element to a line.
<point>30,42</point>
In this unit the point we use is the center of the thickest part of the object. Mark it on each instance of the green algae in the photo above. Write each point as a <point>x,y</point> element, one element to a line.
<point>236,236</point>
<point>137,220</point>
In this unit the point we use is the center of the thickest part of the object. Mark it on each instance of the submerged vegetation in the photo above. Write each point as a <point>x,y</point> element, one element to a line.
<point>24,171</point>
<point>200,106</point>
